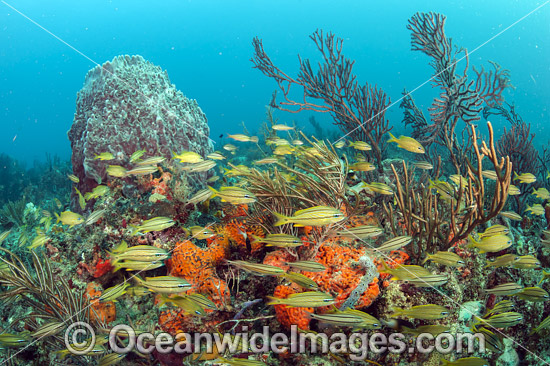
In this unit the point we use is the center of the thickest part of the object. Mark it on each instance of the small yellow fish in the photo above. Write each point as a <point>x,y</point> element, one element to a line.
<point>272,160</point>
<point>243,138</point>
<point>500,307</point>
<point>136,156</point>
<point>69,218</point>
<point>503,320</point>
<point>189,306</point>
<point>230,147</point>
<point>307,266</point>
<point>104,156</point>
<point>203,301</point>
<point>513,190</point>
<point>525,178</point>
<point>234,195</point>
<point>283,150</point>
<point>543,325</point>
<point>527,262</point>
<point>362,166</point>
<point>395,243</point>
<point>536,209</point>
<point>280,127</point>
<point>428,281</point>
<point>258,268</point>
<point>116,171</point>
<point>339,318</point>
<point>511,215</point>
<point>405,272</point>
<point>297,142</point>
<point>313,216</point>
<point>95,216</point>
<point>81,200</point>
<point>541,193</point>
<point>534,294</point>
<point>200,196</point>
<point>132,265</point>
<point>164,284</point>
<point>361,232</point>
<point>203,166</point>
<point>279,240</point>
<point>491,244</point>
<point>201,233</point>
<point>73,178</point>
<point>138,253</point>
<point>310,299</point>
<point>490,174</point>
<point>494,230</point>
<point>445,258</point>
<point>142,170</point>
<point>38,241</point>
<point>154,224</point>
<point>360,145</point>
<point>340,144</point>
<point>301,280</point>
<point>380,188</point>
<point>187,157</point>
<point>425,312</point>
<point>48,330</point>
<point>431,329</point>
<point>113,293</point>
<point>215,156</point>
<point>424,165</point>
<point>459,180</point>
<point>153,160</point>
<point>13,340</point>
<point>502,261</point>
<point>407,143</point>
<point>4,235</point>
<point>510,288</point>
<point>97,192</point>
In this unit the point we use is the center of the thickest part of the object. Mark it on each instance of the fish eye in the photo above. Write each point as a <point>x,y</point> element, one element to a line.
<point>197,312</point>
<point>246,196</point>
<point>182,285</point>
<point>444,313</point>
<point>336,215</point>
<point>460,262</point>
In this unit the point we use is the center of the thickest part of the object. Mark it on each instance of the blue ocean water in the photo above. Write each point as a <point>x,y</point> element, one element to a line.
<point>47,48</point>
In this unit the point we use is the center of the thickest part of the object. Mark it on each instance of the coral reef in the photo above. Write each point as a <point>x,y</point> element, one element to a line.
<point>126,105</point>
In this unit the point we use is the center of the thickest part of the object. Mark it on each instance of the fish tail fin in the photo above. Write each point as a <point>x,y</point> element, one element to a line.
<point>281,219</point>
<point>445,362</point>
<point>471,241</point>
<point>256,238</point>
<point>516,176</point>
<point>138,279</point>
<point>186,232</point>
<point>385,267</point>
<point>392,138</point>
<point>425,259</point>
<point>214,192</point>
<point>396,312</point>
<point>254,139</point>
<point>272,300</point>
<point>58,217</point>
<point>116,266</point>
<point>135,230</point>
<point>351,144</point>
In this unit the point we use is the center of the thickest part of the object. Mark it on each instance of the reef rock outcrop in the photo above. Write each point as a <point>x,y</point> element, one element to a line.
<point>126,105</point>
